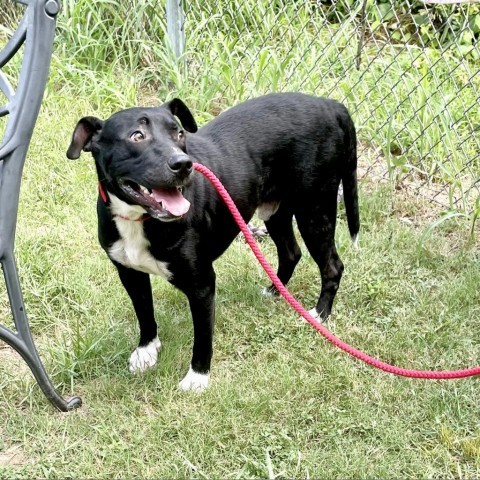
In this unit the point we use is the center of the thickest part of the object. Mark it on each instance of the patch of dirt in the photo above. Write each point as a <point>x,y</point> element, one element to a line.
<point>13,457</point>
<point>12,362</point>
<point>372,171</point>
<point>409,202</point>
<point>418,202</point>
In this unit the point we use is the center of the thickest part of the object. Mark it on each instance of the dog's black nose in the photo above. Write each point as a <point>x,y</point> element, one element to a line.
<point>180,164</point>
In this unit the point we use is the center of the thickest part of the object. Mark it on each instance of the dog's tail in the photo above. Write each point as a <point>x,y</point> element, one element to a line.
<point>349,177</point>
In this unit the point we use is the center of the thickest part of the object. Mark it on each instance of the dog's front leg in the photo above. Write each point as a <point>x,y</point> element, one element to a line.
<point>137,284</point>
<point>201,296</point>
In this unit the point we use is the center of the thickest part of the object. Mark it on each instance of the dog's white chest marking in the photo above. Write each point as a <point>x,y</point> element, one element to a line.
<point>132,249</point>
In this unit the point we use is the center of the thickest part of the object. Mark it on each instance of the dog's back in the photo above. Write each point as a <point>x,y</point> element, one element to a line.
<point>300,146</point>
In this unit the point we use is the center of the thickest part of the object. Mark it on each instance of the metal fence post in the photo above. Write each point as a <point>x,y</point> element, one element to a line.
<point>175,26</point>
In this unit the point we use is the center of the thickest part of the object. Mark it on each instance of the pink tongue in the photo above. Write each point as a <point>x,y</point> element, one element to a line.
<point>172,200</point>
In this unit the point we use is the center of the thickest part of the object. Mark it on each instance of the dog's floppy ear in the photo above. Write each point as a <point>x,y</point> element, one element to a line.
<point>179,109</point>
<point>86,128</point>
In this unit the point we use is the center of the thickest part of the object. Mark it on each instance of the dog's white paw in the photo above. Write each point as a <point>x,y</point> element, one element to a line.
<point>266,292</point>
<point>313,312</point>
<point>145,357</point>
<point>194,381</point>
<point>270,292</point>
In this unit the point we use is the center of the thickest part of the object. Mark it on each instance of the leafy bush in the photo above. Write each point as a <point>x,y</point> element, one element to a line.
<point>428,25</point>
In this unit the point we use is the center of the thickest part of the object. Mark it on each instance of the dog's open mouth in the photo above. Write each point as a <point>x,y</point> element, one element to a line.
<point>165,204</point>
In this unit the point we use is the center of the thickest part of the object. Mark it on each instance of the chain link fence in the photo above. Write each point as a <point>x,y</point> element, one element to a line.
<point>408,71</point>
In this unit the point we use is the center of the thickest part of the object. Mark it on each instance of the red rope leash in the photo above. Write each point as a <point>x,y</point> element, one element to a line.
<point>425,374</point>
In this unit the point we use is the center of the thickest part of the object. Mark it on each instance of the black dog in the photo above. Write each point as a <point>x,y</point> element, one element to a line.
<point>283,154</point>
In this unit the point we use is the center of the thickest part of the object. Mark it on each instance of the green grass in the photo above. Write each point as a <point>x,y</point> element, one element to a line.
<point>282,402</point>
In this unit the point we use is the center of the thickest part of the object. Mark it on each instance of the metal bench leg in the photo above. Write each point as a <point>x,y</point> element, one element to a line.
<point>22,340</point>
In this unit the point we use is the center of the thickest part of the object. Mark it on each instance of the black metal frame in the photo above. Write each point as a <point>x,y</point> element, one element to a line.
<point>35,31</point>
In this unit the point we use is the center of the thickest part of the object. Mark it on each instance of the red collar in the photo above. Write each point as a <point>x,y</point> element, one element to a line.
<point>102,193</point>
<point>104,196</point>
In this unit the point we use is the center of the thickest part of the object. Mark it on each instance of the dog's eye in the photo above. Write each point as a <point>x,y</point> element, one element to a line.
<point>137,136</point>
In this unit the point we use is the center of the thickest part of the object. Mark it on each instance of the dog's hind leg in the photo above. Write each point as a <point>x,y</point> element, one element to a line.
<point>138,286</point>
<point>280,229</point>
<point>317,227</point>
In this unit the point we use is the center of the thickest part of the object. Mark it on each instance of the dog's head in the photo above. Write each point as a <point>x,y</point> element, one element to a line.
<point>141,155</point>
